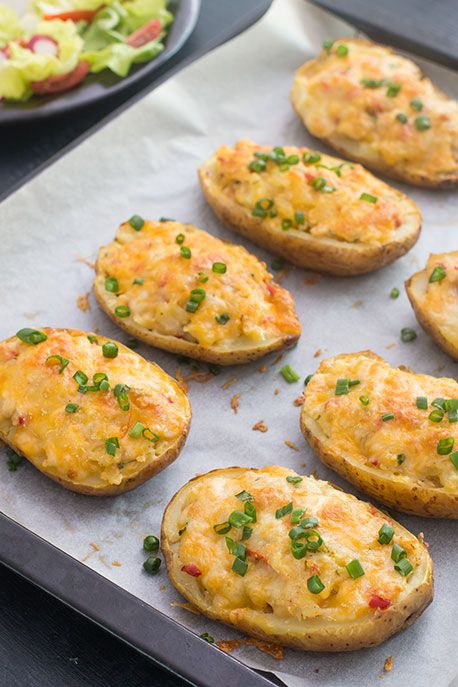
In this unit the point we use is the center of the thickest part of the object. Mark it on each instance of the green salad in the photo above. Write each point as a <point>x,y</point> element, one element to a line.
<point>53,47</point>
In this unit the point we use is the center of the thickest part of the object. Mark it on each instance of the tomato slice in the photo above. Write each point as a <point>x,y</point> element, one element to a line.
<point>73,15</point>
<point>145,34</point>
<point>61,82</point>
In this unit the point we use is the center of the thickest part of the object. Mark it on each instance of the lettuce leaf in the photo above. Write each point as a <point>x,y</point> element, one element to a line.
<point>9,25</point>
<point>42,7</point>
<point>24,66</point>
<point>140,12</point>
<point>119,57</point>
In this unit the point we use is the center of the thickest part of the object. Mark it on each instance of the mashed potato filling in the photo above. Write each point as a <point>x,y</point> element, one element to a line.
<point>441,297</point>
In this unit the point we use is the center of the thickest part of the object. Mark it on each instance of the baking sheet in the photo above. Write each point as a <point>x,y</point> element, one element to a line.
<point>145,162</point>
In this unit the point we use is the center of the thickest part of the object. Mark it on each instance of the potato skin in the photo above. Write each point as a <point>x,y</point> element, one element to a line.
<point>148,471</point>
<point>321,255</point>
<point>182,346</point>
<point>333,637</point>
<point>414,499</point>
<point>414,289</point>
<point>353,149</point>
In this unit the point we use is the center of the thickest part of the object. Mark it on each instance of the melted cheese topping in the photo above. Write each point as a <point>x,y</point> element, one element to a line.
<point>275,581</point>
<point>33,397</point>
<point>359,432</point>
<point>259,310</point>
<point>340,214</point>
<point>441,297</point>
<point>338,103</point>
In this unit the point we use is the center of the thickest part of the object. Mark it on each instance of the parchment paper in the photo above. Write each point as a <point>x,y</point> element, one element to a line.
<point>145,162</point>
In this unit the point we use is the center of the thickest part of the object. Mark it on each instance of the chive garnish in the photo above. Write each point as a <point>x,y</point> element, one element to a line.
<point>71,407</point>
<point>151,543</point>
<point>111,444</point>
<point>202,278</point>
<point>299,217</point>
<point>262,206</point>
<point>185,252</point>
<point>408,334</point>
<point>122,311</point>
<point>80,377</point>
<point>286,224</point>
<point>364,400</point>
<point>445,446</point>
<point>284,510</point>
<point>403,567</point>
<point>136,222</point>
<point>165,219</point>
<point>341,51</point>
<point>394,293</point>
<point>112,285</point>
<point>397,552</point>
<point>400,458</point>
<point>246,533</point>
<point>219,267</point>
<point>401,117</point>
<point>149,435</point>
<point>311,158</point>
<point>239,519</point>
<point>368,198</point>
<point>437,274</point>
<point>236,548</point>
<point>92,339</point>
<point>298,549</point>
<point>355,569</point>
<point>422,123</point>
<point>244,496</point>
<point>320,184</point>
<point>222,528</point>
<point>63,362</point>
<point>289,375</point>
<point>436,415</point>
<point>307,379</point>
<point>327,44</point>
<point>257,166</point>
<point>454,458</point>
<point>138,280</point>
<point>109,349</point>
<point>296,515</point>
<point>240,567</point>
<point>388,416</point>
<point>314,584</point>
<point>416,104</point>
<point>152,565</point>
<point>179,238</point>
<point>31,336</point>
<point>208,638</point>
<point>385,534</point>
<point>136,430</point>
<point>223,318</point>
<point>422,402</point>
<point>294,479</point>
<point>250,510</point>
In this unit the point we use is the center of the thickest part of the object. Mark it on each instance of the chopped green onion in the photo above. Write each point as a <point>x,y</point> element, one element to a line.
<point>198,295</point>
<point>13,460</point>
<point>311,521</point>
<point>388,416</point>
<point>122,311</point>
<point>31,336</point>
<point>284,510</point>
<point>355,569</point>
<point>439,403</point>
<point>165,219</point>
<point>99,377</point>
<point>292,159</point>
<point>222,528</point>
<point>394,293</point>
<point>257,166</point>
<point>364,400</point>
<point>244,496</point>
<point>240,567</point>
<point>368,198</point>
<point>400,458</point>
<point>422,402</point>
<point>298,549</point>
<point>342,387</point>
<point>416,104</point>
<point>123,401</point>
<point>294,479</point>
<point>136,430</point>
<point>401,117</point>
<point>109,350</point>
<point>393,90</point>
<point>327,44</point>
<point>452,409</point>
<point>445,446</point>
<point>179,238</point>
<point>314,584</point>
<point>71,407</point>
<point>63,362</point>
<point>149,435</point>
<point>341,51</point>
<point>223,318</point>
<point>437,274</point>
<point>454,458</point>
<point>219,267</point>
<point>112,285</point>
<point>236,548</point>
<point>92,339</point>
<point>320,184</point>
<point>239,519</point>
<point>246,533</point>
<point>185,252</point>
<point>408,334</point>
<point>289,375</point>
<point>202,278</point>
<point>372,83</point>
<point>397,552</point>
<point>80,377</point>
<point>111,444</point>
<point>436,415</point>
<point>296,515</point>
<point>250,510</point>
<point>152,565</point>
<point>403,567</point>
<point>307,379</point>
<point>192,306</point>
<point>299,217</point>
<point>151,543</point>
<point>208,638</point>
<point>136,222</point>
<point>385,534</point>
<point>311,158</point>
<point>286,224</point>
<point>422,123</point>
<point>138,280</point>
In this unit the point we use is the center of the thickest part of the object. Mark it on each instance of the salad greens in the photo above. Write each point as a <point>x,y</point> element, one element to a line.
<point>53,47</point>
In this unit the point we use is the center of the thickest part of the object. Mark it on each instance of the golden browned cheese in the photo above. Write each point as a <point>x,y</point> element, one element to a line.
<point>275,581</point>
<point>325,197</point>
<point>378,424</point>
<point>159,267</point>
<point>371,96</point>
<point>71,446</point>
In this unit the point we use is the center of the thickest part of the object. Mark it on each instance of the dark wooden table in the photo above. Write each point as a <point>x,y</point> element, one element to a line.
<point>42,642</point>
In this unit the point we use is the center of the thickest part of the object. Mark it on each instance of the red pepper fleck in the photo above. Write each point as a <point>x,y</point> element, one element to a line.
<point>256,555</point>
<point>191,569</point>
<point>377,601</point>
<point>271,289</point>
<point>373,511</point>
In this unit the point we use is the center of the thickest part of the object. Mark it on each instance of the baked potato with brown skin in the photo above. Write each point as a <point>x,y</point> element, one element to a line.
<point>88,412</point>
<point>286,580</point>
<point>316,211</point>
<point>176,287</point>
<point>376,107</point>
<point>372,424</point>
<point>434,297</point>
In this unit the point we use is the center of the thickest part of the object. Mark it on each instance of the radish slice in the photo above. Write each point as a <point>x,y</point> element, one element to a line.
<point>43,45</point>
<point>3,55</point>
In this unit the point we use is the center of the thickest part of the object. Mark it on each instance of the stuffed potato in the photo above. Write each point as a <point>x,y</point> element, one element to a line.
<point>389,431</point>
<point>314,210</point>
<point>180,289</point>
<point>293,560</point>
<point>434,297</point>
<point>89,413</point>
<point>376,107</point>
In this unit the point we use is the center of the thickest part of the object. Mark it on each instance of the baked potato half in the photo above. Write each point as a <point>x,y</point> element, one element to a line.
<point>376,107</point>
<point>88,412</point>
<point>433,293</point>
<point>292,560</point>
<point>179,288</point>
<point>389,431</point>
<point>314,210</point>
